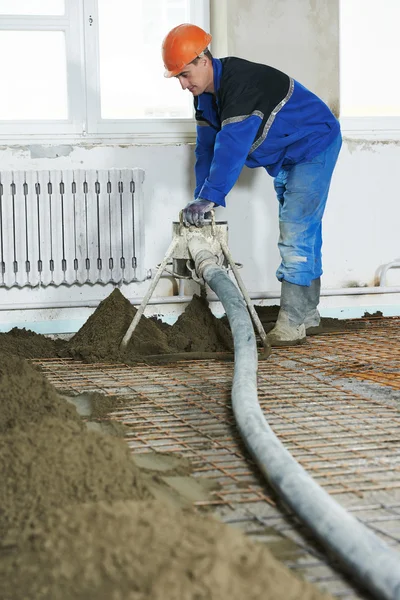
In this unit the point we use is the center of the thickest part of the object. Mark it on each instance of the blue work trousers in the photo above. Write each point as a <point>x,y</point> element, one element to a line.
<point>302,190</point>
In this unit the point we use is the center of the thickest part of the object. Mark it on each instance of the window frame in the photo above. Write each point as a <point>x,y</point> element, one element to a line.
<point>366,127</point>
<point>80,25</point>
<point>66,23</point>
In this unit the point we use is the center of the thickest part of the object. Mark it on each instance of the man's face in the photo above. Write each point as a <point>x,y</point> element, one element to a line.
<point>197,78</point>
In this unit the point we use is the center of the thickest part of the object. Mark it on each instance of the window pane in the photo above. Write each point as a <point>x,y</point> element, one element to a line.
<point>32,7</point>
<point>370,48</point>
<point>33,75</point>
<point>132,79</point>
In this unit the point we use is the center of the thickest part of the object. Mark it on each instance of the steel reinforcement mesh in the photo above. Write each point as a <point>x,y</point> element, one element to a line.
<point>333,402</point>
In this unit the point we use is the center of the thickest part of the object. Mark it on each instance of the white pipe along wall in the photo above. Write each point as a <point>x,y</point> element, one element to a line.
<point>360,239</point>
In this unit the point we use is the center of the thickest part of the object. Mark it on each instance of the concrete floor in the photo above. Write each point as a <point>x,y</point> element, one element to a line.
<point>334,403</point>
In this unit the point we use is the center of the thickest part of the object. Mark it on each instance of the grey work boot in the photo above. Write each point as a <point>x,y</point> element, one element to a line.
<point>289,328</point>
<point>313,318</point>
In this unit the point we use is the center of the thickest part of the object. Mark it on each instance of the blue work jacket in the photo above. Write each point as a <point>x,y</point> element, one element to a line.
<point>258,117</point>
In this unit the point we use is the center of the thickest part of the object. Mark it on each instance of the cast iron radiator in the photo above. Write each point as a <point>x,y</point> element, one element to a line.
<point>71,227</point>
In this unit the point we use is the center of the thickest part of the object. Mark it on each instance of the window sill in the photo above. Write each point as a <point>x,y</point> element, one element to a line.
<point>371,128</point>
<point>109,139</point>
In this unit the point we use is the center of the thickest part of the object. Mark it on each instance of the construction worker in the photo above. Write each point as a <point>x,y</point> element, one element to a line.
<point>252,114</point>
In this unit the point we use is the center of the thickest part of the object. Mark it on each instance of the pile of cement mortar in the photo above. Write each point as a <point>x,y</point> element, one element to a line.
<point>100,337</point>
<point>56,463</point>
<point>27,344</point>
<point>196,330</point>
<point>47,457</point>
<point>143,551</point>
<point>26,396</point>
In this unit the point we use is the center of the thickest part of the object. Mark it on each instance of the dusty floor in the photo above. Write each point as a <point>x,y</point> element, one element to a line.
<point>79,518</point>
<point>334,402</point>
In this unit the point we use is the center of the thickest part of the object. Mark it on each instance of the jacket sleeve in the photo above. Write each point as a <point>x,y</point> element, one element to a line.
<point>231,148</point>
<point>204,153</point>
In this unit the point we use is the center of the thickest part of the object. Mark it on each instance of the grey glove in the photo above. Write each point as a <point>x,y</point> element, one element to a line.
<point>195,212</point>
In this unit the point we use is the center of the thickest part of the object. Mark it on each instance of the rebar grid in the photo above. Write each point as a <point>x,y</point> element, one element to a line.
<point>371,353</point>
<point>349,443</point>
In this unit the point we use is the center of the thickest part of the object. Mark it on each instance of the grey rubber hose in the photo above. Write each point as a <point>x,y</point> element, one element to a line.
<point>362,553</point>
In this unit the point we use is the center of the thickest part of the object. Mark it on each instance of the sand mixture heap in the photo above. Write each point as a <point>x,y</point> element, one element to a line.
<point>196,330</point>
<point>26,396</point>
<point>48,458</point>
<point>27,344</point>
<point>57,463</point>
<point>143,551</point>
<point>100,337</point>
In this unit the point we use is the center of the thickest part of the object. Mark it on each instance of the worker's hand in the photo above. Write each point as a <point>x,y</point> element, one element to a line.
<point>195,212</point>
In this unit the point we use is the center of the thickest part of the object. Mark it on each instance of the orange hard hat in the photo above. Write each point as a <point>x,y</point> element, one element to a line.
<point>181,46</point>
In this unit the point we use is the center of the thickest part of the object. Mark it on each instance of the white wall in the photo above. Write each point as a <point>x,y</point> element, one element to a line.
<point>300,37</point>
<point>363,211</point>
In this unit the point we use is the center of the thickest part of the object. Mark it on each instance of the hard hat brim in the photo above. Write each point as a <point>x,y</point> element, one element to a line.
<point>169,74</point>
